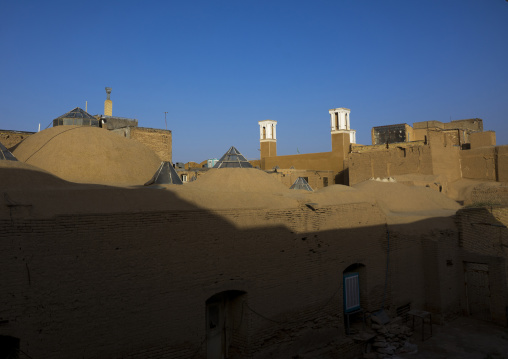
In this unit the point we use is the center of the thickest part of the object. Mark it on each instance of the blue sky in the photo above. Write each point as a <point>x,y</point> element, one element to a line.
<point>219,67</point>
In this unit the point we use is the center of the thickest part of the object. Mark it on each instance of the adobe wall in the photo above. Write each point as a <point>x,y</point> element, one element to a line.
<point>455,137</point>
<point>428,125</point>
<point>379,161</point>
<point>471,125</point>
<point>484,240</point>
<point>10,139</point>
<point>129,285</point>
<point>160,141</point>
<point>485,163</point>
<point>502,163</point>
<point>310,161</point>
<point>445,154</point>
<point>479,163</point>
<point>323,161</point>
<point>316,179</point>
<point>482,139</point>
<point>439,157</point>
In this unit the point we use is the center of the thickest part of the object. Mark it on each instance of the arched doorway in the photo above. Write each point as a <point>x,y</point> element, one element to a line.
<point>225,325</point>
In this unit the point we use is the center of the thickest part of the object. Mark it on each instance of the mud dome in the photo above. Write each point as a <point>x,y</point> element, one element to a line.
<point>89,155</point>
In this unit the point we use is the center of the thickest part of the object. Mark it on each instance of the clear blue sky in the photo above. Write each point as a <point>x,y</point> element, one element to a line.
<point>218,67</point>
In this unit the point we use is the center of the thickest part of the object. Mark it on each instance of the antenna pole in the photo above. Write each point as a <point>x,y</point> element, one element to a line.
<point>165,113</point>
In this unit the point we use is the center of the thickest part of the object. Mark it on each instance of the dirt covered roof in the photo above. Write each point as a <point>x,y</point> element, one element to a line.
<point>217,189</point>
<point>89,155</point>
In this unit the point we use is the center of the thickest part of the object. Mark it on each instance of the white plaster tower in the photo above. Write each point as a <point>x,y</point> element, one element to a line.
<point>268,138</point>
<point>339,118</point>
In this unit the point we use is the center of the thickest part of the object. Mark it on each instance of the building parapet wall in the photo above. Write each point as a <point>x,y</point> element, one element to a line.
<point>313,161</point>
<point>380,161</point>
<point>160,141</point>
<point>367,148</point>
<point>428,125</point>
<point>113,122</point>
<point>472,125</point>
<point>482,139</point>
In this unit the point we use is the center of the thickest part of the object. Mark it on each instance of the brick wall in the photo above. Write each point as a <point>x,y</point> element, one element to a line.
<point>160,141</point>
<point>134,285</point>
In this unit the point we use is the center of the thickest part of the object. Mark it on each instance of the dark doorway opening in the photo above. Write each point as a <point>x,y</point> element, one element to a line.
<point>226,325</point>
<point>9,347</point>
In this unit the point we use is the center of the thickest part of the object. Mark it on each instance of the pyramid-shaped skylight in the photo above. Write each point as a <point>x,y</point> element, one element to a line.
<point>76,116</point>
<point>301,183</point>
<point>5,154</point>
<point>233,159</point>
<point>165,174</point>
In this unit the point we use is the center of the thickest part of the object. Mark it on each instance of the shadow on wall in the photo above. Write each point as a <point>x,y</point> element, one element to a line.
<point>179,280</point>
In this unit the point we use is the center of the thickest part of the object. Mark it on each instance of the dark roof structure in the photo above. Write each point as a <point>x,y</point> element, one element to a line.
<point>76,116</point>
<point>301,183</point>
<point>233,159</point>
<point>166,174</point>
<point>5,154</point>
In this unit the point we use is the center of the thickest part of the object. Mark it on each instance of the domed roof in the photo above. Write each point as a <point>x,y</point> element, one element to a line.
<point>89,155</point>
<point>19,175</point>
<point>399,198</point>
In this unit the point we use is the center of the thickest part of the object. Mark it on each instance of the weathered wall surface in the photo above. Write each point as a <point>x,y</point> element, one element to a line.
<point>479,163</point>
<point>445,154</point>
<point>323,161</point>
<point>488,163</point>
<point>502,163</point>
<point>316,179</point>
<point>482,139</point>
<point>472,124</point>
<point>428,125</point>
<point>484,240</point>
<point>160,141</point>
<point>126,284</point>
<point>311,161</point>
<point>10,139</point>
<point>129,285</point>
<point>378,161</point>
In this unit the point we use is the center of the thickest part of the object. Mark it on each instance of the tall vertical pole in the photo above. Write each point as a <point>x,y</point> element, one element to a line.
<point>165,113</point>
